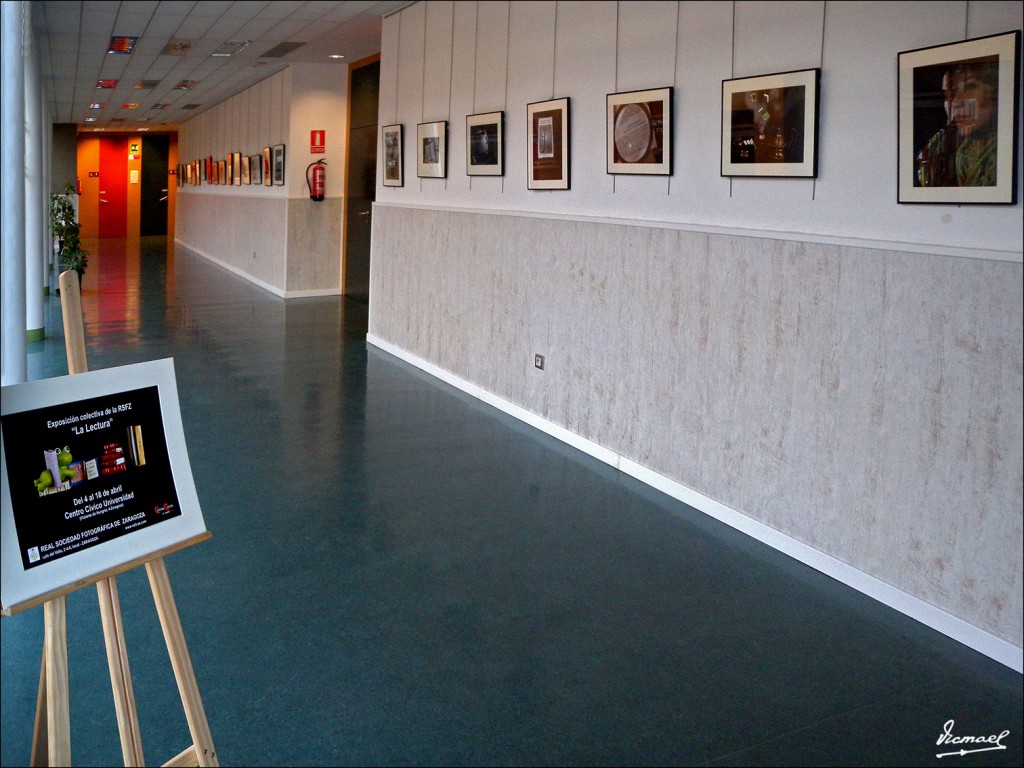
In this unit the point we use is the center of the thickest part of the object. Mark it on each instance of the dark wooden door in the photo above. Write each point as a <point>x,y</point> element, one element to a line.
<point>361,182</point>
<point>153,204</point>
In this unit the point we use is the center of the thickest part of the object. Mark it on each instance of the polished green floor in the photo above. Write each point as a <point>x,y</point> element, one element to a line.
<point>401,575</point>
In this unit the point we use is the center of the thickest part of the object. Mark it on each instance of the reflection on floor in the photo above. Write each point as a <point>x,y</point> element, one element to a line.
<point>401,575</point>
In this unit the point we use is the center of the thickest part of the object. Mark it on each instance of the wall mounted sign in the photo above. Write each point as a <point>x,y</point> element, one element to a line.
<point>317,142</point>
<point>95,475</point>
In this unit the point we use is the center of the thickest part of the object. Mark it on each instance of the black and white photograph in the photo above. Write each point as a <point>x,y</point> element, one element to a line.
<point>431,143</point>
<point>392,141</point>
<point>485,144</point>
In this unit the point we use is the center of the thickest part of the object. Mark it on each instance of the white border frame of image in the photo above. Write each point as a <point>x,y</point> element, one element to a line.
<point>1005,45</point>
<point>486,118</point>
<point>437,129</point>
<point>398,129</point>
<point>562,104</point>
<point>613,100</point>
<point>808,169</point>
<point>18,585</point>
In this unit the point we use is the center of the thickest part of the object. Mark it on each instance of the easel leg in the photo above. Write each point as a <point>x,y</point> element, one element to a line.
<point>39,756</point>
<point>58,710</point>
<point>120,674</point>
<point>181,663</point>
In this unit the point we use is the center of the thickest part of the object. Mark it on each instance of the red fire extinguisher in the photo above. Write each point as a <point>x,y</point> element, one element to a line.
<point>316,187</point>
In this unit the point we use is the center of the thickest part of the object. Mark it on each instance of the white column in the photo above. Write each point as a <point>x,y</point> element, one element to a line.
<point>13,346</point>
<point>35,226</point>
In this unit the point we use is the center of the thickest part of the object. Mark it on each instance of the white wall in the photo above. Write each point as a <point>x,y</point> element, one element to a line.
<point>507,54</point>
<point>832,372</point>
<point>272,235</point>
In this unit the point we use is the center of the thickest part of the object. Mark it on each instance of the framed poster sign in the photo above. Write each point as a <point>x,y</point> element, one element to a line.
<point>392,140</point>
<point>268,177</point>
<point>432,145</point>
<point>958,122</point>
<point>95,475</point>
<point>485,144</point>
<point>770,125</point>
<point>548,130</point>
<point>640,132</point>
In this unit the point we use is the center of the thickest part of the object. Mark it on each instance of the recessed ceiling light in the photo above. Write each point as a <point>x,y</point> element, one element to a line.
<point>336,56</point>
<point>99,129</point>
<point>122,44</point>
<point>144,85</point>
<point>186,85</point>
<point>177,48</point>
<point>97,106</point>
<point>161,106</point>
<point>130,105</point>
<point>143,129</point>
<point>106,83</point>
<point>232,48</point>
<point>90,119</point>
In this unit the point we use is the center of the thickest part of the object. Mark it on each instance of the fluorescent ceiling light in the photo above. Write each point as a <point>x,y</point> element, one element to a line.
<point>232,48</point>
<point>122,44</point>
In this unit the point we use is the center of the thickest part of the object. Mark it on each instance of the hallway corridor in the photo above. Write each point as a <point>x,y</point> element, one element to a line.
<point>400,574</point>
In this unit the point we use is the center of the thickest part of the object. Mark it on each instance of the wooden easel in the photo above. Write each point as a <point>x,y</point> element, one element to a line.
<point>51,741</point>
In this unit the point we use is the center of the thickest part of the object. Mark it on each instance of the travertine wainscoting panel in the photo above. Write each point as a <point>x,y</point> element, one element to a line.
<point>245,234</point>
<point>314,245</point>
<point>867,403</point>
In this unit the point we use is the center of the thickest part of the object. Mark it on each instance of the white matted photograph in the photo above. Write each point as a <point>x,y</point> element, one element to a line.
<point>485,141</point>
<point>431,148</point>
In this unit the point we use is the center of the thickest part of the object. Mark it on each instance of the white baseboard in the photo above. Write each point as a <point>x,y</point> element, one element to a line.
<point>941,621</point>
<point>234,270</point>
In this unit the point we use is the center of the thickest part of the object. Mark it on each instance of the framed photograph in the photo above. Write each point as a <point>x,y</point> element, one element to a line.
<point>256,169</point>
<point>958,121</point>
<point>547,126</point>
<point>246,175</point>
<point>431,149</point>
<point>223,171</point>
<point>278,164</point>
<point>485,144</point>
<point>770,125</point>
<point>236,168</point>
<point>268,176</point>
<point>229,167</point>
<point>391,139</point>
<point>640,132</point>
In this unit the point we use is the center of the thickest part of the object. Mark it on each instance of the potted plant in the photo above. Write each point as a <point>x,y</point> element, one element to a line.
<point>70,254</point>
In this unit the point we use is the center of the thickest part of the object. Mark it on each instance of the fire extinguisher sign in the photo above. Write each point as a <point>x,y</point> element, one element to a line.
<point>316,142</point>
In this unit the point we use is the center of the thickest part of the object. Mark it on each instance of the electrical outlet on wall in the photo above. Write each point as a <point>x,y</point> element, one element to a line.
<point>538,362</point>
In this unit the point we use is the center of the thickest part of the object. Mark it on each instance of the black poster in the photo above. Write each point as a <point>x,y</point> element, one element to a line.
<point>85,472</point>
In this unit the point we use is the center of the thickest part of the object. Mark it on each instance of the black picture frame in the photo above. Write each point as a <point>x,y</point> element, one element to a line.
<point>432,149</point>
<point>277,167</point>
<point>770,124</point>
<point>485,144</point>
<point>639,132</point>
<point>548,131</point>
<point>393,154</point>
<point>959,115</point>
